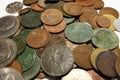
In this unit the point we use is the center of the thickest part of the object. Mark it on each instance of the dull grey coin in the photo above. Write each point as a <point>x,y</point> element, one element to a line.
<point>57,60</point>
<point>8,73</point>
<point>8,51</point>
<point>117,24</point>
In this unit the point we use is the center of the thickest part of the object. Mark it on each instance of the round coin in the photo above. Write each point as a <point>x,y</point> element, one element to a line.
<point>36,7</point>
<point>60,57</point>
<point>29,2</point>
<point>79,32</point>
<point>51,17</point>
<point>98,4</point>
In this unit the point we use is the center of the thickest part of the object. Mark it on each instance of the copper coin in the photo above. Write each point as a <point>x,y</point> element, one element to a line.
<point>56,28</point>
<point>105,63</point>
<point>104,22</point>
<point>109,10</point>
<point>37,38</point>
<point>25,10</point>
<point>117,65</point>
<point>82,56</point>
<point>91,9</point>
<point>51,17</point>
<point>36,7</point>
<point>85,2</point>
<point>98,4</point>
<point>73,8</point>
<point>28,2</point>
<point>116,51</point>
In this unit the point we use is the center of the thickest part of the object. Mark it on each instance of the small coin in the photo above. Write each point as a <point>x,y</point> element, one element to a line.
<point>36,7</point>
<point>60,57</point>
<point>27,58</point>
<point>105,38</point>
<point>25,10</point>
<point>51,17</point>
<point>79,32</point>
<point>14,7</point>
<point>8,51</point>
<point>38,38</point>
<point>29,2</point>
<point>106,58</point>
<point>117,24</point>
<point>98,4</point>
<point>8,73</point>
<point>77,74</point>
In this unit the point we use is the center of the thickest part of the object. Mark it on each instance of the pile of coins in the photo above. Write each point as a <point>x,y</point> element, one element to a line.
<point>59,40</point>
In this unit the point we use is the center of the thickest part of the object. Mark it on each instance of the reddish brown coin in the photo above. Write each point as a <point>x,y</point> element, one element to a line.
<point>25,10</point>
<point>29,2</point>
<point>51,17</point>
<point>82,56</point>
<point>37,38</point>
<point>117,65</point>
<point>103,22</point>
<point>105,63</point>
<point>109,10</point>
<point>98,4</point>
<point>56,28</point>
<point>36,7</point>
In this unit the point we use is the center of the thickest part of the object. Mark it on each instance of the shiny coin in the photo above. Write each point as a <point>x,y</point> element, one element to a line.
<point>105,38</point>
<point>106,58</point>
<point>14,7</point>
<point>38,38</point>
<point>27,58</point>
<point>77,74</point>
<point>79,32</point>
<point>58,56</point>
<point>8,73</point>
<point>51,16</point>
<point>8,51</point>
<point>117,24</point>
<point>31,19</point>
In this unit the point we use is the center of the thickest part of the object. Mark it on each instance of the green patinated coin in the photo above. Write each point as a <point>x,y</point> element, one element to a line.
<point>27,58</point>
<point>69,20</point>
<point>31,19</point>
<point>105,38</point>
<point>79,32</point>
<point>33,71</point>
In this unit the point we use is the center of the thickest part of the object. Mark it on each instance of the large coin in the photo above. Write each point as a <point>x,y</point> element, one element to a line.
<point>8,73</point>
<point>57,60</point>
<point>8,50</point>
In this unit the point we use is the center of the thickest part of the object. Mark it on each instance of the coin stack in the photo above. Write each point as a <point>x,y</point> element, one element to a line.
<point>59,40</point>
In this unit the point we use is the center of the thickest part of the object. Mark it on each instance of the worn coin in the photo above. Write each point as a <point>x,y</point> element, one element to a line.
<point>69,20</point>
<point>29,2</point>
<point>57,60</point>
<point>98,4</point>
<point>42,3</point>
<point>8,73</point>
<point>117,24</point>
<point>36,7</point>
<point>25,10</point>
<point>14,7</point>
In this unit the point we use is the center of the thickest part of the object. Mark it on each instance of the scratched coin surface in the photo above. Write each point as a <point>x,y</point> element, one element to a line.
<point>57,60</point>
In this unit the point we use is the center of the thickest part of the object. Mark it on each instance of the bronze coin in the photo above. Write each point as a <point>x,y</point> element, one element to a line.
<point>82,56</point>
<point>117,65</point>
<point>104,22</point>
<point>29,2</point>
<point>37,38</point>
<point>105,63</point>
<point>91,9</point>
<point>25,10</point>
<point>36,7</point>
<point>56,28</point>
<point>109,10</point>
<point>98,4</point>
<point>51,17</point>
<point>116,51</point>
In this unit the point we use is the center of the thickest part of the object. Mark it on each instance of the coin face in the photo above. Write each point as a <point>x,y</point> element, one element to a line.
<point>58,56</point>
<point>8,73</point>
<point>8,51</point>
<point>14,7</point>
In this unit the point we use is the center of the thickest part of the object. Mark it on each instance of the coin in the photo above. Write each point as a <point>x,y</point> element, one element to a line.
<point>69,20</point>
<point>41,75</point>
<point>105,38</point>
<point>42,3</point>
<point>27,58</point>
<point>38,38</point>
<point>8,73</point>
<point>36,7</point>
<point>31,19</point>
<point>8,51</point>
<point>79,32</point>
<point>25,10</point>
<point>14,7</point>
<point>117,24</point>
<point>98,4</point>
<point>57,60</point>
<point>117,65</point>
<point>77,74</point>
<point>116,51</point>
<point>106,58</point>
<point>28,2</point>
<point>51,17</point>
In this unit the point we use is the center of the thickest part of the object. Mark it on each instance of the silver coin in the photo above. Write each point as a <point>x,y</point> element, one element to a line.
<point>8,73</point>
<point>7,22</point>
<point>11,31</point>
<point>14,7</point>
<point>8,51</point>
<point>117,24</point>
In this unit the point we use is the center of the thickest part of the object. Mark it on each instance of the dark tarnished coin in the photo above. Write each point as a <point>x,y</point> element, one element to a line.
<point>105,63</point>
<point>14,7</point>
<point>8,73</point>
<point>27,58</point>
<point>105,38</point>
<point>31,19</point>
<point>79,32</point>
<point>33,71</point>
<point>8,51</point>
<point>57,60</point>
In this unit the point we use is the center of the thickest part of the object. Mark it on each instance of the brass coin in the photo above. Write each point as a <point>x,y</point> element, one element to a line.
<point>25,10</point>
<point>38,38</point>
<point>106,58</point>
<point>29,2</point>
<point>51,17</point>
